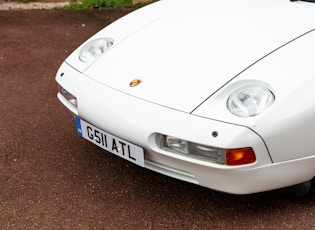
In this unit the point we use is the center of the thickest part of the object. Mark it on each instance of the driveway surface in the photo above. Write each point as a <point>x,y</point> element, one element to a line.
<point>52,179</point>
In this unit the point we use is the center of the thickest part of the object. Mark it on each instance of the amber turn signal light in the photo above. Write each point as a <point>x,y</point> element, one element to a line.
<point>240,156</point>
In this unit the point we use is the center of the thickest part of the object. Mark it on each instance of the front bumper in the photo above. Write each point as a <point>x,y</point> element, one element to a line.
<point>138,121</point>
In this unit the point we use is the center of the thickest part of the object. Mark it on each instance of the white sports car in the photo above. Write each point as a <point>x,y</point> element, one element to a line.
<point>216,93</point>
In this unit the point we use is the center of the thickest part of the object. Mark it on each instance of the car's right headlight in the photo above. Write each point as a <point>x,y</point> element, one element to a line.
<point>68,96</point>
<point>250,100</point>
<point>95,48</point>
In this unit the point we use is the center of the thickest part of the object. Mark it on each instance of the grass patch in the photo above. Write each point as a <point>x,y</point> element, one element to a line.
<point>109,4</point>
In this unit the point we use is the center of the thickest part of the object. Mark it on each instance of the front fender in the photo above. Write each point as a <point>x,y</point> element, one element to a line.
<point>288,126</point>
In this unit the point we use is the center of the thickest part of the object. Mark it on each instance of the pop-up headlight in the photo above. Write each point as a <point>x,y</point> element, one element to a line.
<point>250,101</point>
<point>95,48</point>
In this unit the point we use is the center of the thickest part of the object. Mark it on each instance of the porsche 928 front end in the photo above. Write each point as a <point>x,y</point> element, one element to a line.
<point>203,98</point>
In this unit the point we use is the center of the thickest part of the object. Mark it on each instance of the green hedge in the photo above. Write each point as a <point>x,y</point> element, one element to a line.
<point>86,4</point>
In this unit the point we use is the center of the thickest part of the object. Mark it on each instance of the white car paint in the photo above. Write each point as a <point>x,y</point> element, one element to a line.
<point>230,33</point>
<point>190,57</point>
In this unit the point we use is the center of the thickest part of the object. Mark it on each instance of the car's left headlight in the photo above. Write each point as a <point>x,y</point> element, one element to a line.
<point>249,101</point>
<point>95,48</point>
<point>230,157</point>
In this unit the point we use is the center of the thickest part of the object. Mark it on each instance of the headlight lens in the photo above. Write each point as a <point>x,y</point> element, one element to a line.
<point>95,48</point>
<point>177,145</point>
<point>68,96</point>
<point>250,101</point>
<point>231,157</point>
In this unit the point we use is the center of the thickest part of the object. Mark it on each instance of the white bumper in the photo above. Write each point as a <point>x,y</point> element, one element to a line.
<point>137,121</point>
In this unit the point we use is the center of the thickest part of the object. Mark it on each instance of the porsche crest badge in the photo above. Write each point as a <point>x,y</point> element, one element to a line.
<point>135,82</point>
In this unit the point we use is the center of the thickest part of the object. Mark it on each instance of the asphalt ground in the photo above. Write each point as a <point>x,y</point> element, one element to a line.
<point>50,178</point>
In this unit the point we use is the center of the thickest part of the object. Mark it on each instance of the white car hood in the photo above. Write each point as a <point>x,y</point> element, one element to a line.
<point>187,52</point>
